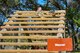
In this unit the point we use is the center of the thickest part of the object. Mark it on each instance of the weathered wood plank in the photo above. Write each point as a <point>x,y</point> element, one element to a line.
<point>60,11</point>
<point>53,26</point>
<point>56,11</point>
<point>34,15</point>
<point>30,15</point>
<point>28,51</point>
<point>28,37</point>
<point>37,18</point>
<point>40,31</point>
<point>24,43</point>
<point>57,22</point>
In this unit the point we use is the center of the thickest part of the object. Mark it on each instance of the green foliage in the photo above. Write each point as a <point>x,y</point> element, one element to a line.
<point>76,19</point>
<point>71,12</point>
<point>12,3</point>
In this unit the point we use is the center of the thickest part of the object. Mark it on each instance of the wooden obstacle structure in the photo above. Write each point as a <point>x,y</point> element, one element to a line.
<point>27,28</point>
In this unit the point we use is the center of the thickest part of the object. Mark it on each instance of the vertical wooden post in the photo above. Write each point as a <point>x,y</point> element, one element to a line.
<point>20,29</point>
<point>64,30</point>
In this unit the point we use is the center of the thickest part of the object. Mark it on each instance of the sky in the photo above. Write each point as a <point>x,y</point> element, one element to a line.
<point>42,2</point>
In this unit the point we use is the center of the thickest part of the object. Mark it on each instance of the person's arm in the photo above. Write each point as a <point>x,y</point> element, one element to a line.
<point>39,11</point>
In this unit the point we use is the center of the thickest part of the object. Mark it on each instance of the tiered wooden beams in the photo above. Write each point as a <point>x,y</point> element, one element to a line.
<point>29,25</point>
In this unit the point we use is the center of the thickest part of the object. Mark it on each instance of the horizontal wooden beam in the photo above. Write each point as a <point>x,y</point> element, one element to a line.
<point>28,37</point>
<point>60,11</point>
<point>33,15</point>
<point>53,26</point>
<point>28,51</point>
<point>56,11</point>
<point>57,22</point>
<point>36,18</point>
<point>30,12</point>
<point>24,43</point>
<point>24,12</point>
<point>61,15</point>
<point>25,15</point>
<point>40,31</point>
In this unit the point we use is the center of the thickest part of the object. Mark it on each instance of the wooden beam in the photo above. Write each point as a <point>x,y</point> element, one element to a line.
<point>28,51</point>
<point>30,15</point>
<point>60,11</point>
<point>23,12</point>
<point>57,22</point>
<point>61,15</point>
<point>34,15</point>
<point>53,26</point>
<point>28,37</point>
<point>24,43</point>
<point>36,18</point>
<point>40,31</point>
<point>56,11</point>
